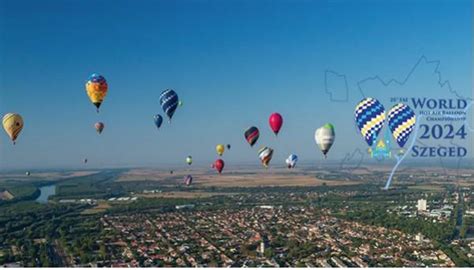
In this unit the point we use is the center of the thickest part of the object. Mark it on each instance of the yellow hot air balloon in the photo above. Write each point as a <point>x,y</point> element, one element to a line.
<point>12,123</point>
<point>96,88</point>
<point>220,149</point>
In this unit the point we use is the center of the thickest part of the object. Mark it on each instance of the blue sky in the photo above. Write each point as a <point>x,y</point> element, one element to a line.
<point>232,63</point>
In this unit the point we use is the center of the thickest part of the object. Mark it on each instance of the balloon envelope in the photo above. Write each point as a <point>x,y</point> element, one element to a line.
<point>169,102</point>
<point>369,118</point>
<point>96,88</point>
<point>220,148</point>
<point>251,135</point>
<point>99,126</point>
<point>189,160</point>
<point>325,137</point>
<point>188,179</point>
<point>275,121</point>
<point>401,121</point>
<point>158,119</point>
<point>13,124</point>
<point>265,154</point>
<point>291,161</point>
<point>219,165</point>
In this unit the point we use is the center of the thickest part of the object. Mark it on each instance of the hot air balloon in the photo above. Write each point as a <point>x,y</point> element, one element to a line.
<point>251,135</point>
<point>275,121</point>
<point>27,173</point>
<point>401,120</point>
<point>291,161</point>
<point>219,165</point>
<point>189,160</point>
<point>169,102</point>
<point>171,172</point>
<point>180,103</point>
<point>228,146</point>
<point>369,117</point>
<point>220,149</point>
<point>85,160</point>
<point>158,120</point>
<point>325,137</point>
<point>13,124</point>
<point>265,154</point>
<point>99,126</point>
<point>188,179</point>
<point>96,88</point>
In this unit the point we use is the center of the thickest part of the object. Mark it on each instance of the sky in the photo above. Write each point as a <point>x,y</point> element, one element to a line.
<point>232,64</point>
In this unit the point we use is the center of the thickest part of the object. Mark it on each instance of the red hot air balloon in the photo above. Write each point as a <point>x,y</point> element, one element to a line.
<point>275,121</point>
<point>219,165</point>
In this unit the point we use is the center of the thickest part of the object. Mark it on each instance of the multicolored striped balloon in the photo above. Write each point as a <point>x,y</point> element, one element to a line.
<point>401,120</point>
<point>251,135</point>
<point>96,88</point>
<point>169,102</point>
<point>370,118</point>
<point>265,154</point>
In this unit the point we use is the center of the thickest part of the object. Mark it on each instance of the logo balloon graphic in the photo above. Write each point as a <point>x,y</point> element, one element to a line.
<point>369,118</point>
<point>401,121</point>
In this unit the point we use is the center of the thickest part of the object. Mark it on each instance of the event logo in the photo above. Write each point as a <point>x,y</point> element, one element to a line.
<point>441,121</point>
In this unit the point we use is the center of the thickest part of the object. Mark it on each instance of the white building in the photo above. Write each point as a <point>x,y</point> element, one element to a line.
<point>421,206</point>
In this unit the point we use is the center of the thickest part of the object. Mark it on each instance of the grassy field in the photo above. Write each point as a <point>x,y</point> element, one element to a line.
<point>187,194</point>
<point>247,178</point>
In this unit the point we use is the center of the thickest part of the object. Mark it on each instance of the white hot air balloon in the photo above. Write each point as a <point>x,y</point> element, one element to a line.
<point>325,137</point>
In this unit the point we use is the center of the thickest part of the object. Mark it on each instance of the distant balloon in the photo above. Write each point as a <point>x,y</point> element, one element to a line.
<point>251,135</point>
<point>265,154</point>
<point>96,88</point>
<point>180,103</point>
<point>189,160</point>
<point>85,160</point>
<point>188,179</point>
<point>13,124</point>
<point>370,117</point>
<point>219,165</point>
<point>169,102</point>
<point>275,121</point>
<point>158,120</point>
<point>171,172</point>
<point>27,173</point>
<point>220,148</point>
<point>99,126</point>
<point>228,146</point>
<point>291,161</point>
<point>325,137</point>
<point>401,120</point>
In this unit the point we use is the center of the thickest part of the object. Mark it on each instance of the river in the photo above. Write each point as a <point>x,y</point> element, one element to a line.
<point>46,191</point>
